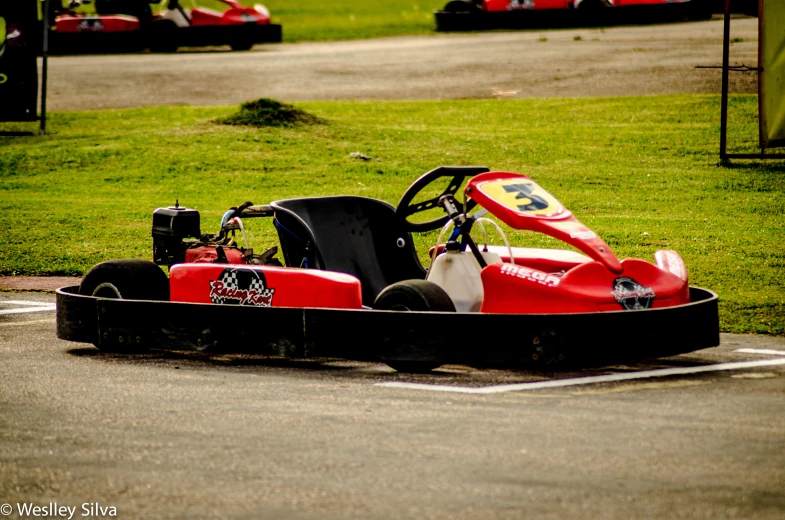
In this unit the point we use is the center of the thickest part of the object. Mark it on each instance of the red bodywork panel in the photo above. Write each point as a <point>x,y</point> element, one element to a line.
<point>264,286</point>
<point>114,23</point>
<point>619,3</point>
<point>514,5</point>
<point>590,287</point>
<point>232,16</point>
<point>508,5</point>
<point>208,254</point>
<point>546,260</point>
<point>521,204</point>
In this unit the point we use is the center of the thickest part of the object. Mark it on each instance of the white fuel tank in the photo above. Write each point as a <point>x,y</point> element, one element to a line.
<point>458,273</point>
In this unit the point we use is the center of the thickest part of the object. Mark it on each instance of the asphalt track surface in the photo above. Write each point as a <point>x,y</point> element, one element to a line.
<point>637,60</point>
<point>189,435</point>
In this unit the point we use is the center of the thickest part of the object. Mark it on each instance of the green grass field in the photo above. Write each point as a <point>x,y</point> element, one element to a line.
<point>352,19</point>
<point>641,171</point>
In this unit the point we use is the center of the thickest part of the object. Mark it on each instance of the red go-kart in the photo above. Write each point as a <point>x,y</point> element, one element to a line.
<point>459,15</point>
<point>238,26</point>
<point>131,25</point>
<point>351,265</point>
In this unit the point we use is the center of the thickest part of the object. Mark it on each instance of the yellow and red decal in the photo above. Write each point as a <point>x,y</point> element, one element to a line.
<point>523,196</point>
<point>521,203</point>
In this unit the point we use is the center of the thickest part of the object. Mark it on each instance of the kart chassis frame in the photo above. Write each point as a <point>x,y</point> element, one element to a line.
<point>474,339</point>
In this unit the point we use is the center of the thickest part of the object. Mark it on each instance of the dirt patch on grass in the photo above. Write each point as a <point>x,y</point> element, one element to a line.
<point>269,112</point>
<point>37,283</point>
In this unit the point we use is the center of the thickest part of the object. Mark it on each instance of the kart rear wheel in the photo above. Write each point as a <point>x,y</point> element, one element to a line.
<point>241,45</point>
<point>594,4</point>
<point>163,36</point>
<point>126,279</point>
<point>413,295</point>
<point>461,6</point>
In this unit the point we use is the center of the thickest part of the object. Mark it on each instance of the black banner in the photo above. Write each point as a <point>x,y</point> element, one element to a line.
<point>19,45</point>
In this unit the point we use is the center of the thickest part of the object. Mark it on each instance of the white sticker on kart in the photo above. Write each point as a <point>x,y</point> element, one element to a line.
<point>529,274</point>
<point>584,235</point>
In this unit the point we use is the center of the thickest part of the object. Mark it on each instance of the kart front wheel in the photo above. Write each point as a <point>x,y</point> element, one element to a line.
<point>413,295</point>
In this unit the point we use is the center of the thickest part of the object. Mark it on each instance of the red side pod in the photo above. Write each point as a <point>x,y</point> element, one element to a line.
<point>509,5</point>
<point>232,16</point>
<point>590,287</point>
<point>264,286</point>
<point>201,16</point>
<point>495,5</point>
<point>546,260</point>
<point>114,23</point>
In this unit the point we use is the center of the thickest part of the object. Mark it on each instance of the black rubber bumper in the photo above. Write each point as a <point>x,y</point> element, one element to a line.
<point>138,41</point>
<point>96,42</point>
<point>369,335</point>
<point>567,18</point>
<point>225,35</point>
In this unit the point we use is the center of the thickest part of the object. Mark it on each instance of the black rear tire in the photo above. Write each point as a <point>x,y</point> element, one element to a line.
<point>413,295</point>
<point>126,279</point>
<point>241,45</point>
<point>163,36</point>
<point>461,6</point>
<point>594,4</point>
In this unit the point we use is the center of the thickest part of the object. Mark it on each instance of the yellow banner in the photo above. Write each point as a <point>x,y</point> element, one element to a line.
<point>771,79</point>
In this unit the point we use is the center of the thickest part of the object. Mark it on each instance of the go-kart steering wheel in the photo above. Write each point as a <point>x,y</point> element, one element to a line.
<point>406,208</point>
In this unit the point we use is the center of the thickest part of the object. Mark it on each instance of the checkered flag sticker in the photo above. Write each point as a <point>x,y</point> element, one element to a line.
<point>241,287</point>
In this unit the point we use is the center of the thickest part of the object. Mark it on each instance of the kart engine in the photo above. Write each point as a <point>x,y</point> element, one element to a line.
<point>177,239</point>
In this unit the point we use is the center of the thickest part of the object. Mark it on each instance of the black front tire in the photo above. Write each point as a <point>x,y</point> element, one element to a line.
<point>413,295</point>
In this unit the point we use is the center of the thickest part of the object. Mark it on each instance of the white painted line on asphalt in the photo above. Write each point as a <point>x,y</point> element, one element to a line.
<point>761,351</point>
<point>27,306</point>
<point>29,322</point>
<point>610,378</point>
<point>23,302</point>
<point>28,309</point>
